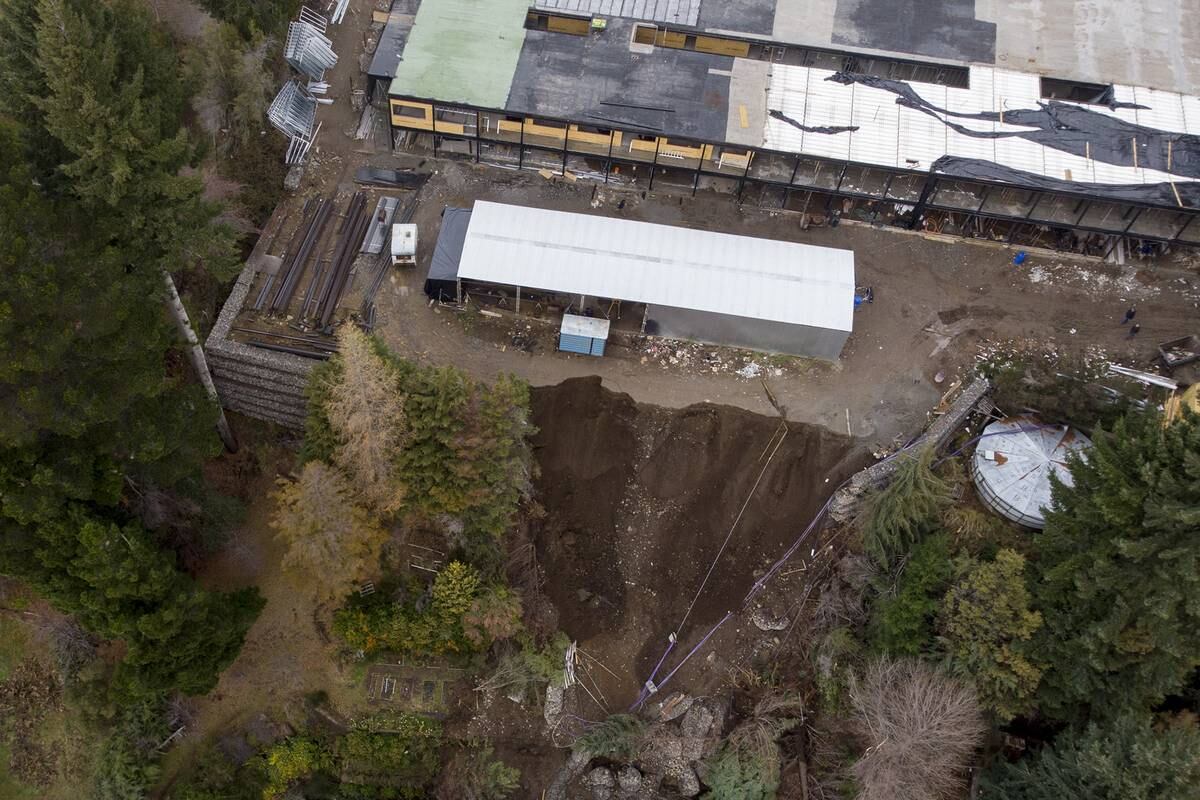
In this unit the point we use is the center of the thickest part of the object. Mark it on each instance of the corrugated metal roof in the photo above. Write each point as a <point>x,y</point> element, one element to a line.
<point>1013,463</point>
<point>677,12</point>
<point>592,327</point>
<point>463,51</point>
<point>661,265</point>
<point>894,135</point>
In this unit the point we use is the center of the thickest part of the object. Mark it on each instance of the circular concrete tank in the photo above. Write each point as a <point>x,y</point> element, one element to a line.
<point>1013,462</point>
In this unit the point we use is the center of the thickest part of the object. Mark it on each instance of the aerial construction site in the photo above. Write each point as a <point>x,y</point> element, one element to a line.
<point>649,399</point>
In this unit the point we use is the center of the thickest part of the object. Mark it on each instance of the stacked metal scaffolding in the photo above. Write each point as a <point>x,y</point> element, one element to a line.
<point>307,49</point>
<point>294,113</point>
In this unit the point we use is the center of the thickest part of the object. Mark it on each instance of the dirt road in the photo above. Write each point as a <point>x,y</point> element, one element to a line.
<point>935,301</point>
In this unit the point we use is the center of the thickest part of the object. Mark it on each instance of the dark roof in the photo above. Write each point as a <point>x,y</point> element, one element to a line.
<point>581,78</point>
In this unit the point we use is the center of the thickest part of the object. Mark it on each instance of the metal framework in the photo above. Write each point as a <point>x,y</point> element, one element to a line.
<point>974,204</point>
<point>293,112</point>
<point>307,49</point>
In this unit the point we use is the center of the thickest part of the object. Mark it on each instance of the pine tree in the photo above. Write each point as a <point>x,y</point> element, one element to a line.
<point>1125,759</point>
<point>120,585</point>
<point>985,621</point>
<point>1116,573</point>
<point>331,541</point>
<point>84,394</point>
<point>898,515</point>
<point>365,409</point>
<point>115,101</point>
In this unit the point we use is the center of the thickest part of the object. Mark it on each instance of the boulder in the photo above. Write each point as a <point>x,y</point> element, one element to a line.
<point>291,181</point>
<point>629,780</point>
<point>686,782</point>
<point>554,704</point>
<point>601,782</point>
<point>661,750</point>
<point>697,722</point>
<point>764,620</point>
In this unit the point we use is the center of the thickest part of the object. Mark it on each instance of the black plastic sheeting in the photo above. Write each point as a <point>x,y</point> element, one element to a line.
<point>441,281</point>
<point>779,115</point>
<point>1070,129</point>
<point>1159,194</point>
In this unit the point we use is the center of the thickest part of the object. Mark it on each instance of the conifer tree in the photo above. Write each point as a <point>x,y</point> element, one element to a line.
<point>1116,572</point>
<point>121,586</point>
<point>985,623</point>
<point>1128,758</point>
<point>115,101</point>
<point>366,413</point>
<point>331,541</point>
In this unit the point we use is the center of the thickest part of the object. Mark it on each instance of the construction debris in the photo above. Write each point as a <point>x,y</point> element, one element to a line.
<point>307,49</point>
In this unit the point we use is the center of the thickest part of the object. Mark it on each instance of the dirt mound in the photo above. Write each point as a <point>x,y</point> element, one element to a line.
<point>640,498</point>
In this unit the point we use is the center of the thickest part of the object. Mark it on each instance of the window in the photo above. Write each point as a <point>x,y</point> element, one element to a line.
<point>415,112</point>
<point>1077,91</point>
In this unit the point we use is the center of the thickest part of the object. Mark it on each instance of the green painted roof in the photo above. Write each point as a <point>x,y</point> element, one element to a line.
<point>463,51</point>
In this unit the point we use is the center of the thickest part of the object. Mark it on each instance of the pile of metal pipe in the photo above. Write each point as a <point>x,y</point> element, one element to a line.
<point>294,268</point>
<point>354,227</point>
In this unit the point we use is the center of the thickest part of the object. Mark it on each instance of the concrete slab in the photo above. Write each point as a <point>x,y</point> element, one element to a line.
<point>744,16</point>
<point>747,90</point>
<point>804,22</point>
<point>945,29</point>
<point>1152,43</point>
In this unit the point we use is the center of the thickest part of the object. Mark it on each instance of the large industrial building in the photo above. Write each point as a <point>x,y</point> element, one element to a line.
<point>717,94</point>
<point>681,283</point>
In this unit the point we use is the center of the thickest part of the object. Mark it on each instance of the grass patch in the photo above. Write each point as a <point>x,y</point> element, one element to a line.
<point>10,787</point>
<point>13,642</point>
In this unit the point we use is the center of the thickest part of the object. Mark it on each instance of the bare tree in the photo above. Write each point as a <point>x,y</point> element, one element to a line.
<point>923,728</point>
<point>332,541</point>
<point>366,410</point>
<point>71,645</point>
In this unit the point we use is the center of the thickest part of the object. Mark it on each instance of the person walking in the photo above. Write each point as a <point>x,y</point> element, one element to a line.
<point>1129,315</point>
<point>1134,331</point>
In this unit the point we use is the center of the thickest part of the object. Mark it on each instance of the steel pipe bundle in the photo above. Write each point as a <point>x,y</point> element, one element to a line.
<point>354,226</point>
<point>294,269</point>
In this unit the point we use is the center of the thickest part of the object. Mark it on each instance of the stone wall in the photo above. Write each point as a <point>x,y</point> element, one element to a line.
<point>846,500</point>
<point>250,380</point>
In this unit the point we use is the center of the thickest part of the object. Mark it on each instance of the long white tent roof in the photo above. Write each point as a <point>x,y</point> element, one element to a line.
<point>661,265</point>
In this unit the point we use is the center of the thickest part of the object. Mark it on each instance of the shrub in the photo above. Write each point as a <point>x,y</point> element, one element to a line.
<point>922,727</point>
<point>409,761</point>
<point>477,775</point>
<point>293,760</point>
<point>898,515</point>
<point>903,624</point>
<point>617,737</point>
<point>985,619</point>
<point>747,767</point>
<point>495,614</point>
<point>376,623</point>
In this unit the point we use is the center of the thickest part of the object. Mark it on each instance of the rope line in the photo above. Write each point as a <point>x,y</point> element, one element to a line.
<point>761,583</point>
<point>732,528</point>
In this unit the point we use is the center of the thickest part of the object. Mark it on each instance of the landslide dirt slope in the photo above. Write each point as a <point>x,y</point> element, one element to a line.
<point>639,499</point>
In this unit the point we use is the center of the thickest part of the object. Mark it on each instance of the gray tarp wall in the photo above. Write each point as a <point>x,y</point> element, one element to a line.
<point>443,267</point>
<point>752,334</point>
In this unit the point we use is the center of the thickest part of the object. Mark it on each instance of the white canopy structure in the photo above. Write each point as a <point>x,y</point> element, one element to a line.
<point>1014,460</point>
<point>741,291</point>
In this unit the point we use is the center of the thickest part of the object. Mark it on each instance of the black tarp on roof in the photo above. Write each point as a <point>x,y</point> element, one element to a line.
<point>1072,129</point>
<point>443,267</point>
